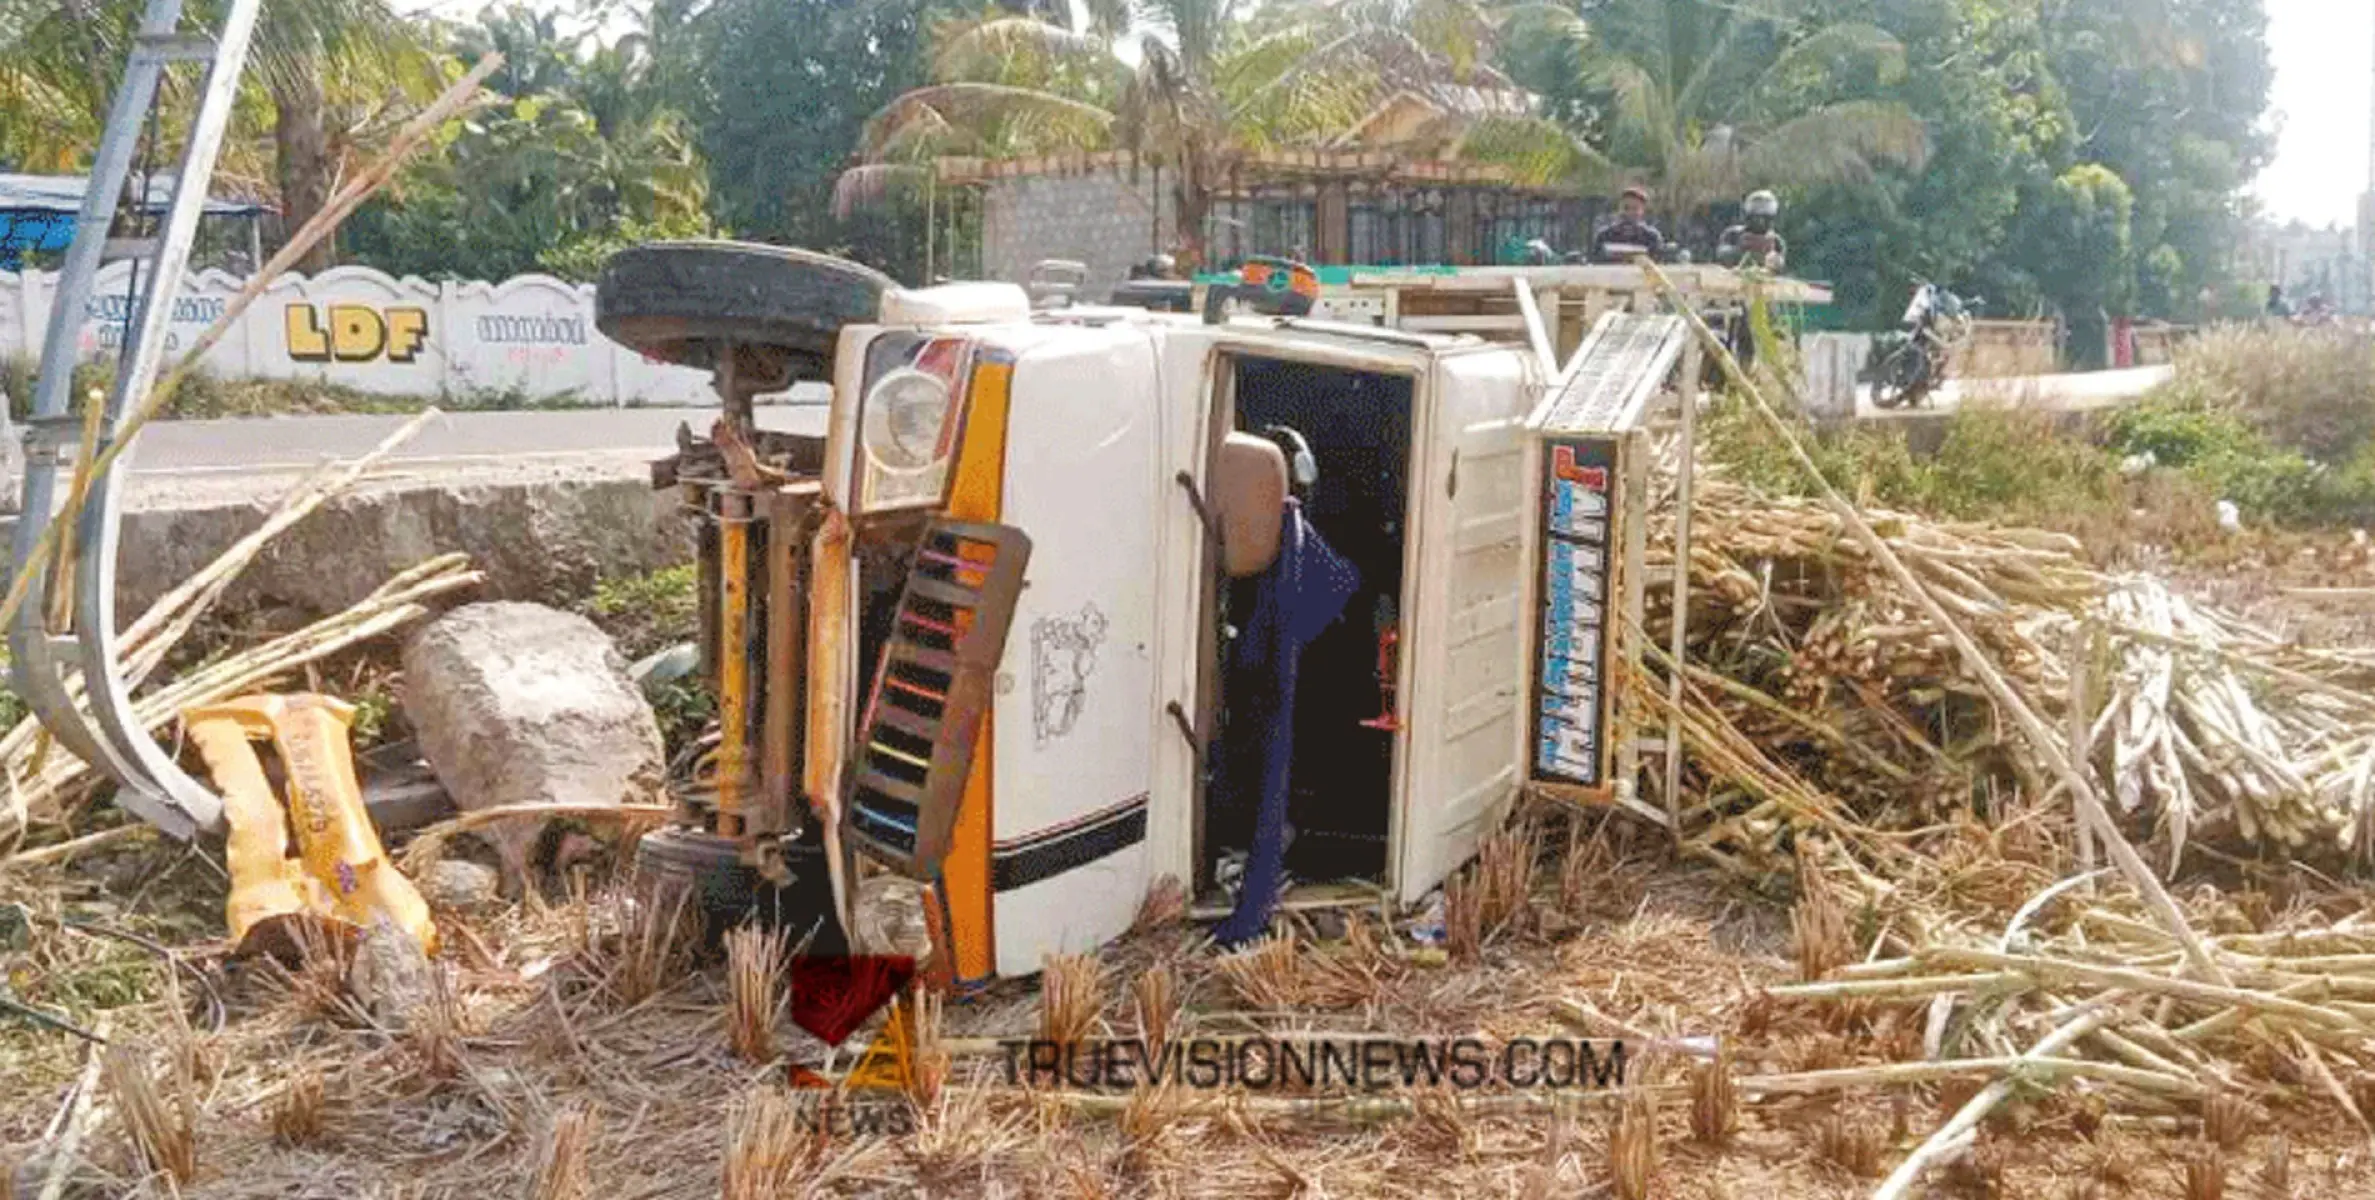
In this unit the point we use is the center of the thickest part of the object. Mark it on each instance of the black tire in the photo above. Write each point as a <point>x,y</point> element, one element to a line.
<point>680,302</point>
<point>705,872</point>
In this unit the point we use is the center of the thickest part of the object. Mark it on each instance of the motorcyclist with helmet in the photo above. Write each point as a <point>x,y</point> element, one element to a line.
<point>1160,266</point>
<point>1754,242</point>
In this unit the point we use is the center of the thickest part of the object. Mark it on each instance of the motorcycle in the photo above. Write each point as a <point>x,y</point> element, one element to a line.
<point>1914,363</point>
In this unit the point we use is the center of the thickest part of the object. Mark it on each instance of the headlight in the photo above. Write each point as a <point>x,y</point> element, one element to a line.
<point>907,420</point>
<point>888,912</point>
<point>907,424</point>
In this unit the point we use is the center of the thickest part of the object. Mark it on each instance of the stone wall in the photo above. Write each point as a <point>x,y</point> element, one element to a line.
<point>1834,364</point>
<point>1099,219</point>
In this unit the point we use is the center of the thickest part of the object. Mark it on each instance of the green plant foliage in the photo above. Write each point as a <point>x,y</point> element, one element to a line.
<point>646,613</point>
<point>581,258</point>
<point>790,87</point>
<point>2310,390</point>
<point>2276,419</point>
<point>2004,464</point>
<point>2167,96</point>
<point>527,178</point>
<point>1706,100</point>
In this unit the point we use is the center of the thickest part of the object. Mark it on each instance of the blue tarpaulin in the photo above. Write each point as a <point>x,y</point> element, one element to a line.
<point>1302,593</point>
<point>37,212</point>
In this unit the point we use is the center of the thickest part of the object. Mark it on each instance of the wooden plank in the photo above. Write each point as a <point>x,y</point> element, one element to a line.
<point>1509,323</point>
<point>1687,390</point>
<point>1536,332</point>
<point>1598,797</point>
<point>1309,897</point>
<point>1692,281</point>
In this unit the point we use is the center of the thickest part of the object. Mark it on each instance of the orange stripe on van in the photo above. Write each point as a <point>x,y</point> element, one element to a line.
<point>977,493</point>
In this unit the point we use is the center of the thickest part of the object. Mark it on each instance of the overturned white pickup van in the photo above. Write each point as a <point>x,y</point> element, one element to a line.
<point>1070,601</point>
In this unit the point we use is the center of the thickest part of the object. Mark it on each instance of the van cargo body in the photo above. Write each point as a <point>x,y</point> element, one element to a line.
<point>1100,445</point>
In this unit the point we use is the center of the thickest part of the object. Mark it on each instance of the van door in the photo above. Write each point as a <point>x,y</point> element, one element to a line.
<point>1072,740</point>
<point>1462,669</point>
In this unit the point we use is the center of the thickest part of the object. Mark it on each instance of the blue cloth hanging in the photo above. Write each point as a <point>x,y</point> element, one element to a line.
<point>1303,592</point>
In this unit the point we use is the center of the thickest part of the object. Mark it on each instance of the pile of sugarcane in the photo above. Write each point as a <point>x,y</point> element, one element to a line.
<point>1810,671</point>
<point>2118,1009</point>
<point>1856,685</point>
<point>2208,720</point>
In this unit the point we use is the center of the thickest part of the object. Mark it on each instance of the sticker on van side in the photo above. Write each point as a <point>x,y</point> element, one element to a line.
<point>1569,691</point>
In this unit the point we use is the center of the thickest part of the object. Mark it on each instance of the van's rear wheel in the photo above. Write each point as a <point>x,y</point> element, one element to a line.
<point>781,309</point>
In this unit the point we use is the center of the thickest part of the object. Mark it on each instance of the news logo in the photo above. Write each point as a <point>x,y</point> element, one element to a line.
<point>833,996</point>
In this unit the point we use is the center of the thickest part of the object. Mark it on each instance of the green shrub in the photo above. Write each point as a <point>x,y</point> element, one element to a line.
<point>13,708</point>
<point>648,613</point>
<point>1861,461</point>
<point>2019,467</point>
<point>2307,390</point>
<point>2233,458</point>
<point>683,709</point>
<point>1994,464</point>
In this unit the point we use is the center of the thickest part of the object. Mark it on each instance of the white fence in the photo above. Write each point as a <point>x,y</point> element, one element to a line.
<point>1832,362</point>
<point>370,331</point>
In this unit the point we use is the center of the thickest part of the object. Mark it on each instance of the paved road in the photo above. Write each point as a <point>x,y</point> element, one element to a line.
<point>261,446</point>
<point>265,445</point>
<point>2075,392</point>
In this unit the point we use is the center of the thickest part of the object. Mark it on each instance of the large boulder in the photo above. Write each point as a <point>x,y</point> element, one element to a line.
<point>523,704</point>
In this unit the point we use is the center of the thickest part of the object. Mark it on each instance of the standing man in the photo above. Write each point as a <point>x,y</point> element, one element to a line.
<point>1631,233</point>
<point>1754,242</point>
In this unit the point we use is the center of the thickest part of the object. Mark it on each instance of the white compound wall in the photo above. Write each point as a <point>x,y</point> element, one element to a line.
<point>370,331</point>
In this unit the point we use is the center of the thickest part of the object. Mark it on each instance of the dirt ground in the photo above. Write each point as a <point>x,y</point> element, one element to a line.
<point>538,1027</point>
<point>542,1025</point>
<point>2316,589</point>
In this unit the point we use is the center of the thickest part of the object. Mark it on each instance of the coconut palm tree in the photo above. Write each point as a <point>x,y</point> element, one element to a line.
<point>339,73</point>
<point>649,71</point>
<point>1212,82</point>
<point>330,75</point>
<point>1704,100</point>
<point>540,57</point>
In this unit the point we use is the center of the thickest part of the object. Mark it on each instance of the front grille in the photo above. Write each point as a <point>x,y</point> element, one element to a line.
<point>915,745</point>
